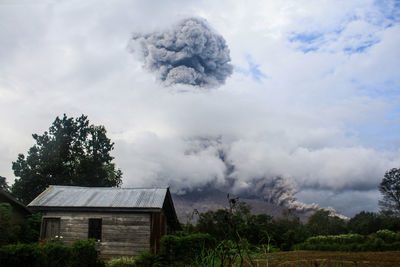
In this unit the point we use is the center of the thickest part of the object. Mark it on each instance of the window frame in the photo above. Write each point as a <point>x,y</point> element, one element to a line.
<point>44,224</point>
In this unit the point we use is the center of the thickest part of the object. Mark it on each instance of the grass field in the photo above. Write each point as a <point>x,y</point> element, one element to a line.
<point>326,258</point>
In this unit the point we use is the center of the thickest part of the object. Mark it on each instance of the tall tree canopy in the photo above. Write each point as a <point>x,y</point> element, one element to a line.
<point>72,152</point>
<point>322,222</point>
<point>390,190</point>
<point>3,183</point>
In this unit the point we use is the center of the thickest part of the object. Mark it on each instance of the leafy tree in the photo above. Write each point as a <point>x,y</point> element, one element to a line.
<point>3,184</point>
<point>287,231</point>
<point>389,221</point>
<point>72,152</point>
<point>257,229</point>
<point>215,224</point>
<point>365,223</point>
<point>323,223</point>
<point>390,189</point>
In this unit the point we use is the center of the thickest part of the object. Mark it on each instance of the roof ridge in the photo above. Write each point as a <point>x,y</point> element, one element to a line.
<point>107,187</point>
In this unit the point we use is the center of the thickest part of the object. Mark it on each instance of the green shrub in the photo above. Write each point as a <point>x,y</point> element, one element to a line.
<point>21,255</point>
<point>388,236</point>
<point>28,230</point>
<point>79,254</point>
<point>84,254</point>
<point>383,240</point>
<point>147,259</point>
<point>121,262</point>
<point>57,254</point>
<point>185,248</point>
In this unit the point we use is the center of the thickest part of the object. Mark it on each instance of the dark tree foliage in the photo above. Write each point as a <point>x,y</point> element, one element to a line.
<point>287,231</point>
<point>323,223</point>
<point>390,221</point>
<point>3,184</point>
<point>215,224</point>
<point>390,190</point>
<point>365,223</point>
<point>72,152</point>
<point>258,230</point>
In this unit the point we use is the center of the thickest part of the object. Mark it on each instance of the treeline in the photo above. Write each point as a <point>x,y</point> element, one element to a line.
<point>283,233</point>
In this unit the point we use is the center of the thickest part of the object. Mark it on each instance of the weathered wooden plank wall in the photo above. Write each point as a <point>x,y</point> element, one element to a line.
<point>158,227</point>
<point>123,234</point>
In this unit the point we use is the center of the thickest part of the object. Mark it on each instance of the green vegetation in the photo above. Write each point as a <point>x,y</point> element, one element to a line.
<point>390,190</point>
<point>383,240</point>
<point>235,237</point>
<point>25,232</point>
<point>121,262</point>
<point>79,254</point>
<point>183,248</point>
<point>3,184</point>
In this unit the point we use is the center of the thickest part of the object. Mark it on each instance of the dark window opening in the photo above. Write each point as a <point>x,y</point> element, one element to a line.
<point>95,229</point>
<point>50,228</point>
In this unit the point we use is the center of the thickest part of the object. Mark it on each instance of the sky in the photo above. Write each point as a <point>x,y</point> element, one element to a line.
<point>313,94</point>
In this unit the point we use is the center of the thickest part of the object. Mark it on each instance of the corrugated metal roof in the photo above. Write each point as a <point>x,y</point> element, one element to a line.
<point>105,197</point>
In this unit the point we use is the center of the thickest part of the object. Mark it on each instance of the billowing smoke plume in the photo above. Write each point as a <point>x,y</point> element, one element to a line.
<point>275,190</point>
<point>278,191</point>
<point>191,53</point>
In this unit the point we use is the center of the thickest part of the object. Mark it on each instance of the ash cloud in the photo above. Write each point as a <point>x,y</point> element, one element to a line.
<point>190,53</point>
<point>276,190</point>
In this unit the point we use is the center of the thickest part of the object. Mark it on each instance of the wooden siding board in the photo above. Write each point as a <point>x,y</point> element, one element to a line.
<point>122,233</point>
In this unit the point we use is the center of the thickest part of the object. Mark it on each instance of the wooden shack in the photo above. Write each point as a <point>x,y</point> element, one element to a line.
<point>123,221</point>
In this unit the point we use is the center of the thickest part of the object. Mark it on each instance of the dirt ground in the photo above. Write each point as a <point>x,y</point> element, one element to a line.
<point>326,258</point>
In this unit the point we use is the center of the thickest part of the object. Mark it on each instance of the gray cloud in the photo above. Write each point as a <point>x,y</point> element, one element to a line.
<point>276,190</point>
<point>190,53</point>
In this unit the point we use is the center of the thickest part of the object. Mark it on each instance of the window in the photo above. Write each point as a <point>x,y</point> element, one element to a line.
<point>50,228</point>
<point>95,229</point>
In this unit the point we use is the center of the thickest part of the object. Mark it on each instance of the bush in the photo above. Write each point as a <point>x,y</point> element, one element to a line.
<point>84,254</point>
<point>21,254</point>
<point>28,230</point>
<point>147,259</point>
<point>80,253</point>
<point>25,232</point>
<point>388,236</point>
<point>57,254</point>
<point>185,248</point>
<point>121,262</point>
<point>384,240</point>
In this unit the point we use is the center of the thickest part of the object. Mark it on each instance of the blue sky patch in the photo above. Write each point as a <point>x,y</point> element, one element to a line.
<point>305,37</point>
<point>361,48</point>
<point>252,70</point>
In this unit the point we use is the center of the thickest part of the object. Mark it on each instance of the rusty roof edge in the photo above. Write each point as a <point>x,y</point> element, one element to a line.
<point>40,196</point>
